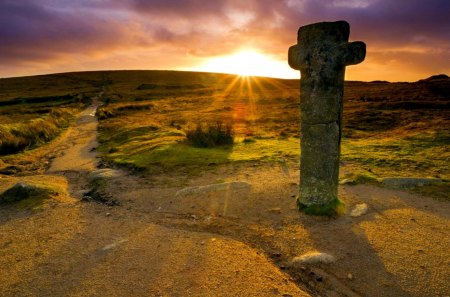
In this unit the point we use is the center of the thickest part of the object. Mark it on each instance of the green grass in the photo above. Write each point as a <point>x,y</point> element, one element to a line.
<point>424,154</point>
<point>170,150</point>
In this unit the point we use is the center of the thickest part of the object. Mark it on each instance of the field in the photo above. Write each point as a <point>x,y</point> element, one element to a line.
<point>124,202</point>
<point>390,129</point>
<point>34,110</point>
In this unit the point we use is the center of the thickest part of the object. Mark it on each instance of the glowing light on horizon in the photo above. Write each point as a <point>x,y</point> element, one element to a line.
<point>249,63</point>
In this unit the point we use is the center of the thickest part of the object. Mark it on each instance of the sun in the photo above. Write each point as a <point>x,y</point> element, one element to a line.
<point>249,62</point>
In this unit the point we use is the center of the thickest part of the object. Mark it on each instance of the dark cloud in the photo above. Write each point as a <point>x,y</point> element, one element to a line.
<point>42,30</point>
<point>29,30</point>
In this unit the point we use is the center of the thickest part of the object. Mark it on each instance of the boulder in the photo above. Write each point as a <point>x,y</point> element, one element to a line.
<point>21,191</point>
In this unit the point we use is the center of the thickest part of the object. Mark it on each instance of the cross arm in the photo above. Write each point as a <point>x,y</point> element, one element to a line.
<point>355,53</point>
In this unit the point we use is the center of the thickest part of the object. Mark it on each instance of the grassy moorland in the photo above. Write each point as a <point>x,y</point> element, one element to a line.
<point>34,110</point>
<point>390,129</point>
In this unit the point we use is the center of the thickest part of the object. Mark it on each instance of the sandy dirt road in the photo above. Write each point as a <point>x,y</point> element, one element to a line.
<point>232,242</point>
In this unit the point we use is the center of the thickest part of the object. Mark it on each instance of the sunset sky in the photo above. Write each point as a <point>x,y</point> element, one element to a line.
<point>406,39</point>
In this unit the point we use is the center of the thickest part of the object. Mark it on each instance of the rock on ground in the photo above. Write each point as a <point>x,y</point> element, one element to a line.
<point>235,185</point>
<point>359,210</point>
<point>105,173</point>
<point>314,258</point>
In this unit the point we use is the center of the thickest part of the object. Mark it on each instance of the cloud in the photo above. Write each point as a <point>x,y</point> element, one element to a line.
<point>29,31</point>
<point>46,31</point>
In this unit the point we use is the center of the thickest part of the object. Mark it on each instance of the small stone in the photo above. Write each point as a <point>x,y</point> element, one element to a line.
<point>212,188</point>
<point>350,276</point>
<point>347,181</point>
<point>105,174</point>
<point>314,258</point>
<point>108,214</point>
<point>113,245</point>
<point>359,210</point>
<point>202,242</point>
<point>276,210</point>
<point>275,254</point>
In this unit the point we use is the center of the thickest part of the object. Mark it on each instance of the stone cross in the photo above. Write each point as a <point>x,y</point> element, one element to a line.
<point>321,54</point>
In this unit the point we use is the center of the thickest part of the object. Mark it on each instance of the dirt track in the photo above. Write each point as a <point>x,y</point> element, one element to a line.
<point>218,243</point>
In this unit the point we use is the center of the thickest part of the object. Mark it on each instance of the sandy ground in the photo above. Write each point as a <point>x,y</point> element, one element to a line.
<point>227,242</point>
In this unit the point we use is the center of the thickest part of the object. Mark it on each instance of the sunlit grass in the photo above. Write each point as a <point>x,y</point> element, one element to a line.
<point>18,136</point>
<point>166,152</point>
<point>425,154</point>
<point>389,129</point>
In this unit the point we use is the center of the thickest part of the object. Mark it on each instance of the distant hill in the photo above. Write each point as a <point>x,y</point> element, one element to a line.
<point>436,77</point>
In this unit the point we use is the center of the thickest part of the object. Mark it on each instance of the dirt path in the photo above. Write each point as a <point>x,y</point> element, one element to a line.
<point>218,241</point>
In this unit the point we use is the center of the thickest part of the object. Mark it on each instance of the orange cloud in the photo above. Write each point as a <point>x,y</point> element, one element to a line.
<point>406,40</point>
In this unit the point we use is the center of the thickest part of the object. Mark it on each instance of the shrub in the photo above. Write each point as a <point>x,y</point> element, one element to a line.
<point>210,135</point>
<point>103,113</point>
<point>106,112</point>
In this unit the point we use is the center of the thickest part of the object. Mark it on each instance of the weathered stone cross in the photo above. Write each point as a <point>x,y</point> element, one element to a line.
<point>321,54</point>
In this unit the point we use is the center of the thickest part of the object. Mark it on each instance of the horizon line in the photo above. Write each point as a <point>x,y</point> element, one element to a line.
<point>196,71</point>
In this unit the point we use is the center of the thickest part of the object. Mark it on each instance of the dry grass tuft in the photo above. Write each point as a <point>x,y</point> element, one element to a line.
<point>16,137</point>
<point>211,134</point>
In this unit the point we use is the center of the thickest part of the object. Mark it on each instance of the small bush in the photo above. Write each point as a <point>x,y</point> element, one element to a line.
<point>210,135</point>
<point>103,113</point>
<point>106,112</point>
<point>249,140</point>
